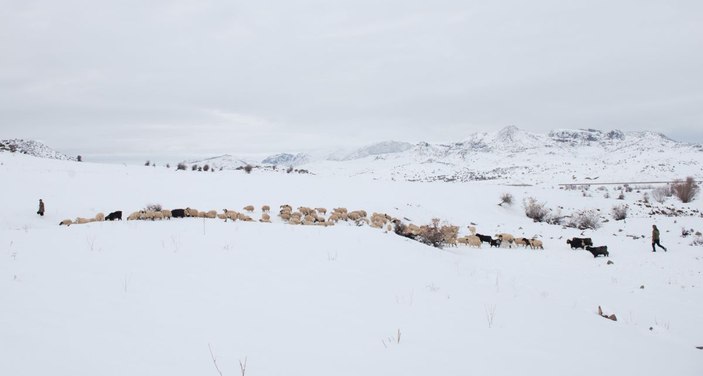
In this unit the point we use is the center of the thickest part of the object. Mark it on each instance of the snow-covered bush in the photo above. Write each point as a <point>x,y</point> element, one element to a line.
<point>585,219</point>
<point>181,166</point>
<point>535,210</point>
<point>431,234</point>
<point>619,212</point>
<point>660,194</point>
<point>686,191</point>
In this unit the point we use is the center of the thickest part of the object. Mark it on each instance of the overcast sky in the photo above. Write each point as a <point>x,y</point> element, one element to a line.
<point>197,76</point>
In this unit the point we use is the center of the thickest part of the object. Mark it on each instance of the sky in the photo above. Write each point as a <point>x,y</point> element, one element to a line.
<point>119,79</point>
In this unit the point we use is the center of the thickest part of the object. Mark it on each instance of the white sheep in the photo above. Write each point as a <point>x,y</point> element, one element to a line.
<point>166,214</point>
<point>100,217</point>
<point>265,208</point>
<point>322,211</point>
<point>536,243</point>
<point>506,238</point>
<point>472,230</point>
<point>66,222</point>
<point>81,220</point>
<point>265,218</point>
<point>249,208</point>
<point>134,216</point>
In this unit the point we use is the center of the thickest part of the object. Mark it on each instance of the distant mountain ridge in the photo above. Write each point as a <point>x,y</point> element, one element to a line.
<point>33,148</point>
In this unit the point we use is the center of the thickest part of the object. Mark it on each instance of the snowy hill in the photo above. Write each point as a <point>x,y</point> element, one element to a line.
<point>198,296</point>
<point>33,148</point>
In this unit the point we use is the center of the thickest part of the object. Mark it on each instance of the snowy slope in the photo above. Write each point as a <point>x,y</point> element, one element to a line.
<point>33,148</point>
<point>145,298</point>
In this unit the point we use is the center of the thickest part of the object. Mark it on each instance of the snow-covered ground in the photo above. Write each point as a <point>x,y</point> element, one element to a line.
<point>199,296</point>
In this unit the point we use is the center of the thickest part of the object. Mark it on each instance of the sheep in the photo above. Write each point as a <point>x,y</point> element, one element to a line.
<point>339,210</point>
<point>134,216</point>
<point>212,214</point>
<point>286,207</point>
<point>521,241</point>
<point>579,242</point>
<point>305,210</point>
<point>244,217</point>
<point>598,251</point>
<point>146,215</point>
<point>81,220</point>
<point>536,244</point>
<point>505,238</point>
<point>222,216</point>
<point>285,216</point>
<point>249,208</point>
<point>157,215</point>
<point>322,211</point>
<point>116,215</point>
<point>484,238</point>
<point>166,214</point>
<point>191,212</point>
<point>470,240</point>
<point>100,217</point>
<point>472,230</point>
<point>265,218</point>
<point>178,213</point>
<point>495,243</point>
<point>265,209</point>
<point>66,222</point>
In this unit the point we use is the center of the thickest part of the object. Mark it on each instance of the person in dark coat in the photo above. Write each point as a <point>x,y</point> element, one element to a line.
<point>41,208</point>
<point>655,239</point>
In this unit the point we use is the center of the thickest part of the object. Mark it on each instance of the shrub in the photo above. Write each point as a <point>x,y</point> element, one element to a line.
<point>181,166</point>
<point>535,210</point>
<point>194,167</point>
<point>686,191</point>
<point>506,198</point>
<point>619,212</point>
<point>206,168</point>
<point>153,207</point>
<point>248,168</point>
<point>431,234</point>
<point>79,158</point>
<point>289,170</point>
<point>585,219</point>
<point>148,163</point>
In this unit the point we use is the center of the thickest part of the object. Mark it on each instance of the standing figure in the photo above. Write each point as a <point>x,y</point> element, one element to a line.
<point>41,208</point>
<point>655,239</point>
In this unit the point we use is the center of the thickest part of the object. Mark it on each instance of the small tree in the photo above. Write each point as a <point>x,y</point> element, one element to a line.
<point>289,169</point>
<point>686,191</point>
<point>506,198</point>
<point>148,163</point>
<point>206,168</point>
<point>78,158</point>
<point>619,212</point>
<point>194,167</point>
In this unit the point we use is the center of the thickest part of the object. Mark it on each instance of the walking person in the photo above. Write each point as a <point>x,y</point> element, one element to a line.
<point>41,208</point>
<point>655,239</point>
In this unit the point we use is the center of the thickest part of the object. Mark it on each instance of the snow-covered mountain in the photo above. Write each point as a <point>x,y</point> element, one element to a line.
<point>517,156</point>
<point>33,148</point>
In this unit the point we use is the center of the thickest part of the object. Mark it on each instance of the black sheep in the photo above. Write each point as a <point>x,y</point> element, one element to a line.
<point>114,216</point>
<point>598,251</point>
<point>178,213</point>
<point>484,238</point>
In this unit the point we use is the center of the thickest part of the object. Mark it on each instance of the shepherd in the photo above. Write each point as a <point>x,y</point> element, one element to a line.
<point>41,208</point>
<point>655,239</point>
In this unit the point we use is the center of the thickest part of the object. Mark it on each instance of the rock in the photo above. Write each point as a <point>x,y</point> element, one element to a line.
<point>642,287</point>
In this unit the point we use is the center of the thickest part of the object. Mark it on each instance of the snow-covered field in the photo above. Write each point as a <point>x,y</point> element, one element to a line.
<point>202,297</point>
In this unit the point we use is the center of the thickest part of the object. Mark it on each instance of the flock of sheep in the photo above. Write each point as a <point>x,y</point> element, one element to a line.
<point>448,235</point>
